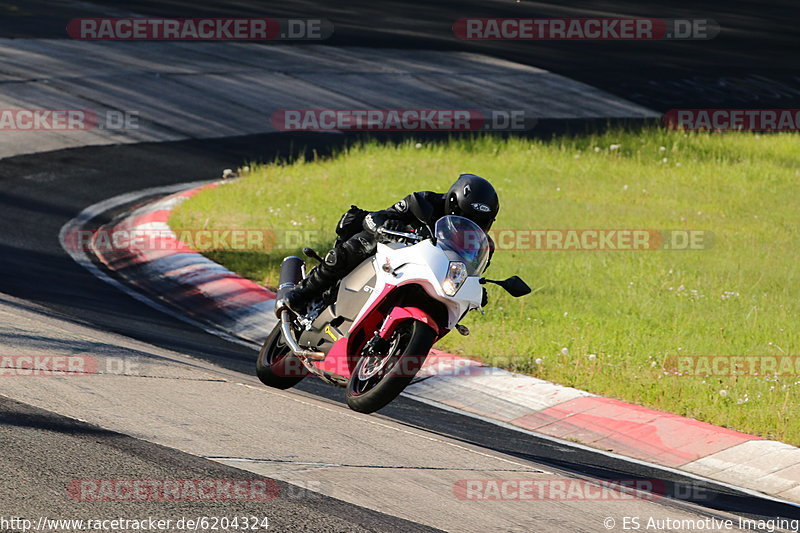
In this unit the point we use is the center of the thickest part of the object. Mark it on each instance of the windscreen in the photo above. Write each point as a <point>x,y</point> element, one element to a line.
<point>466,239</point>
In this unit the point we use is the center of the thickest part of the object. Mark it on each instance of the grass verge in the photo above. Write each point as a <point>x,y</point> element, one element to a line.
<point>609,322</point>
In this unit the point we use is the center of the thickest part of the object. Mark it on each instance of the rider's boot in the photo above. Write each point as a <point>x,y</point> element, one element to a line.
<point>312,286</point>
<point>340,261</point>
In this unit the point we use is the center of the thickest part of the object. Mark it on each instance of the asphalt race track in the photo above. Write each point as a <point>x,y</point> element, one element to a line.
<point>30,435</point>
<point>50,304</point>
<point>41,192</point>
<point>750,64</point>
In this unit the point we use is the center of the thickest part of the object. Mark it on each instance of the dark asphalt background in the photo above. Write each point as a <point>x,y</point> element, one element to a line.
<point>47,452</point>
<point>752,63</point>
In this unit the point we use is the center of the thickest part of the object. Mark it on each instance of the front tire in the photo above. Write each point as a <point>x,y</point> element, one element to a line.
<point>276,366</point>
<point>377,381</point>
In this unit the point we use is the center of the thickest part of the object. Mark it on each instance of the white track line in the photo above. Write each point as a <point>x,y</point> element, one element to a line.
<point>82,257</point>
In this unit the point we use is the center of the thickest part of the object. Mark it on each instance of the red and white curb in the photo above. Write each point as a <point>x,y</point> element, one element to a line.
<point>174,273</point>
<point>184,283</point>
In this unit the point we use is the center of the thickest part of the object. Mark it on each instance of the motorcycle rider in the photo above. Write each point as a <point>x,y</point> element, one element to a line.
<point>470,196</point>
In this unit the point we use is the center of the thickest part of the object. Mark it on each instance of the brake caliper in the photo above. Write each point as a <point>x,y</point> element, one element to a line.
<point>377,345</point>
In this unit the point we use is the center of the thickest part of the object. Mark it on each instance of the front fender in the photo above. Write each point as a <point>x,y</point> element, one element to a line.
<point>399,315</point>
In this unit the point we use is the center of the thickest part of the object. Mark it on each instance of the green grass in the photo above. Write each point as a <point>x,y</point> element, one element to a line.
<point>600,321</point>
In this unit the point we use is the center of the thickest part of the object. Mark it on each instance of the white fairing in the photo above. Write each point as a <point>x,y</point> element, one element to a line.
<point>426,265</point>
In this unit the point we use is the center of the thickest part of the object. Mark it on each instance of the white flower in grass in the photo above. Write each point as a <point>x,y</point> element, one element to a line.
<point>596,148</point>
<point>662,148</point>
<point>723,393</point>
<point>592,356</point>
<point>564,351</point>
<point>615,147</point>
<point>538,361</point>
<point>418,146</point>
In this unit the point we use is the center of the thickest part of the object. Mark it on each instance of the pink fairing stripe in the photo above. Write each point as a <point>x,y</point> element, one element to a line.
<point>401,314</point>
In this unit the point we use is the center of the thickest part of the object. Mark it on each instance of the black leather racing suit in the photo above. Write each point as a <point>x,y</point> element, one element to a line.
<point>357,237</point>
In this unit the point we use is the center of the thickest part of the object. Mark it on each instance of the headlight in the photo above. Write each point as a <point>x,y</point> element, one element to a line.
<point>456,276</point>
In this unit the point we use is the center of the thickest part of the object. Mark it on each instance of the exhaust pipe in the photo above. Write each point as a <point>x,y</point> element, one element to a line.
<point>292,271</point>
<point>288,336</point>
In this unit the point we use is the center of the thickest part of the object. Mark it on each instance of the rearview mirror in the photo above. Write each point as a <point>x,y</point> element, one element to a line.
<point>424,211</point>
<point>513,285</point>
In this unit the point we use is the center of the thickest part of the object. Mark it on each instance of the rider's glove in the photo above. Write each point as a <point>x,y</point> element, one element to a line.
<point>395,225</point>
<point>373,221</point>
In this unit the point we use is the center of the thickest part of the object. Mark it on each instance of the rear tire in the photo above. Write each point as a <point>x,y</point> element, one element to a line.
<point>276,366</point>
<point>374,384</point>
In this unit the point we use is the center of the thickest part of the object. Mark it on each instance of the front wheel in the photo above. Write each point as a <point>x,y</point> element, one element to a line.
<point>377,380</point>
<point>276,366</point>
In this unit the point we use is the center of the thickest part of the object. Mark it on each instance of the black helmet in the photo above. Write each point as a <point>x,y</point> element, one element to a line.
<point>474,198</point>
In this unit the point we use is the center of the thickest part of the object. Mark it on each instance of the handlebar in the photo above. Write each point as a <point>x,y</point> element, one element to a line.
<point>403,234</point>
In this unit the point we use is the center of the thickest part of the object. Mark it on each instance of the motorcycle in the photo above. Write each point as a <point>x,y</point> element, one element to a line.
<point>372,332</point>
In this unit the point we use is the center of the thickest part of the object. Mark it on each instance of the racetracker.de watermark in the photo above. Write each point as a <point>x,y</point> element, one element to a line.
<point>164,490</point>
<point>569,489</point>
<point>174,490</point>
<point>199,29</point>
<point>733,119</point>
<point>262,240</point>
<point>47,365</point>
<point>732,365</point>
<point>66,120</point>
<point>184,240</point>
<point>401,120</point>
<point>585,29</point>
<point>600,240</point>
<point>76,365</point>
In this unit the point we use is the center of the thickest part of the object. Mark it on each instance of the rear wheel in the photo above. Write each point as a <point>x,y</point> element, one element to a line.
<point>276,366</point>
<point>377,380</point>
